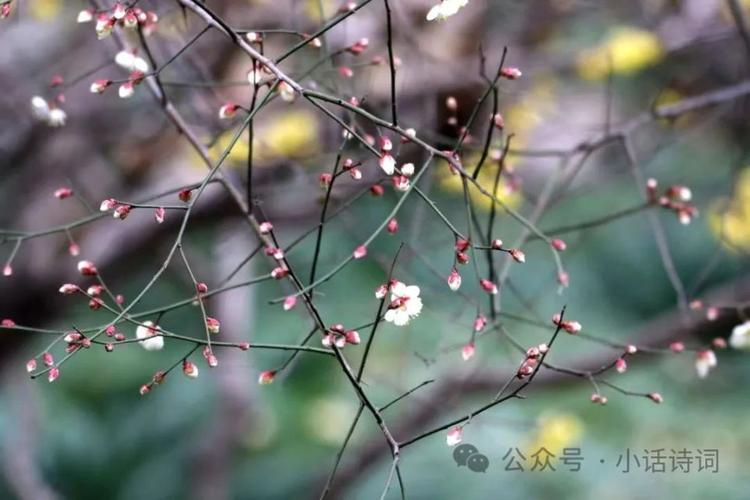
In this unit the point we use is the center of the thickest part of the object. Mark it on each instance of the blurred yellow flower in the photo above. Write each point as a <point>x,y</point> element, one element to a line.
<point>730,219</point>
<point>555,432</point>
<point>312,9</point>
<point>626,50</point>
<point>452,182</point>
<point>292,134</point>
<point>44,9</point>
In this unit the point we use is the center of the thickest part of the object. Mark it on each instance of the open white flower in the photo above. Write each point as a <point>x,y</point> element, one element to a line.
<point>740,338</point>
<point>405,304</point>
<point>56,117</point>
<point>150,339</point>
<point>131,62</point>
<point>40,108</point>
<point>445,9</point>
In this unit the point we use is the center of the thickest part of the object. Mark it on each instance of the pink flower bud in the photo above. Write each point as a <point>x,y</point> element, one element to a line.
<point>677,347</point>
<point>462,245</point>
<point>451,103</point>
<point>290,302</point>
<point>712,313</point>
<point>455,435</point>
<point>48,359</point>
<point>109,347</point>
<point>227,111</point>
<point>454,280</point>
<point>377,190</point>
<point>185,195</point>
<point>559,245</point>
<point>468,350</point>
<point>497,244</point>
<point>279,273</point>
<point>210,358</point>
<point>488,286</point>
<point>392,226</point>
<point>7,323</point>
<point>265,227</point>
<point>266,377</point>
<point>462,258</point>
<point>656,398</point>
<point>87,268</point>
<point>346,71</point>
<point>213,325</point>
<point>159,214</point>
<point>201,287</point>
<point>74,249</point>
<point>189,369</point>
<point>621,366</point>
<point>479,323</point>
<point>381,291</point>
<point>121,212</point>
<point>631,349</point>
<point>53,374</point>
<point>352,337</point>
<point>325,180</point>
<point>359,252</point>
<point>498,121</point>
<point>511,73</point>
<point>563,278</point>
<point>517,255</point>
<point>95,290</point>
<point>99,86</point>
<point>385,144</point>
<point>107,204</point>
<point>244,346</point>
<point>31,365</point>
<point>145,389</point>
<point>719,343</point>
<point>63,192</point>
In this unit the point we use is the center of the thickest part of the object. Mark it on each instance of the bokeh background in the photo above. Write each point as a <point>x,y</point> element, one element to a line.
<point>586,64</point>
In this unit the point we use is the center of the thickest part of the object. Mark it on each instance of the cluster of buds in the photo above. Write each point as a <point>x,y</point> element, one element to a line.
<point>712,312</point>
<point>675,198</point>
<point>130,18</point>
<point>462,256</point>
<point>387,162</point>
<point>353,168</point>
<point>119,210</point>
<point>359,46</point>
<point>76,340</point>
<point>515,253</point>
<point>338,336</point>
<point>157,379</point>
<point>534,356</point>
<point>572,327</point>
<point>276,253</point>
<point>112,332</point>
<point>127,89</point>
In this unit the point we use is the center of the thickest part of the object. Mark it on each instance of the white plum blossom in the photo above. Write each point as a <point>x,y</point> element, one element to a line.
<point>740,338</point>
<point>131,62</point>
<point>405,304</point>
<point>40,108</point>
<point>445,9</point>
<point>149,339</point>
<point>57,117</point>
